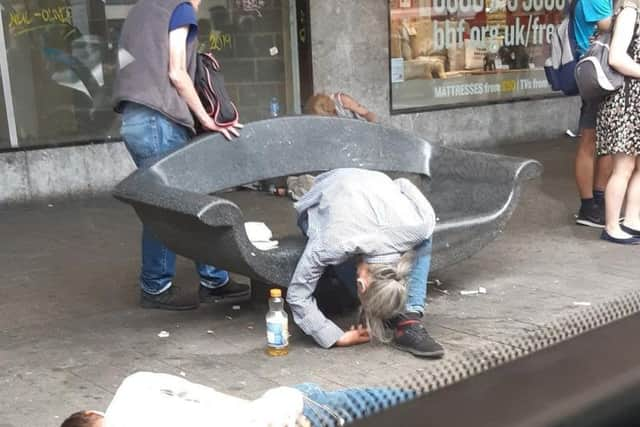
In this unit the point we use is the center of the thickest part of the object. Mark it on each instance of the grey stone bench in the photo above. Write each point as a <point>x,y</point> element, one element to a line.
<point>181,196</point>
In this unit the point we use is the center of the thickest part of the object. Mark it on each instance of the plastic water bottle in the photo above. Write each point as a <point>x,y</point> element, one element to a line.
<point>277,325</point>
<point>274,107</point>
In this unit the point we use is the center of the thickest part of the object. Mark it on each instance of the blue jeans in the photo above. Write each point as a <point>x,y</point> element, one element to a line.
<point>148,135</point>
<point>324,407</point>
<point>416,286</point>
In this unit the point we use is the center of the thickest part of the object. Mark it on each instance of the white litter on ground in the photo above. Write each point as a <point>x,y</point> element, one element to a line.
<point>582,303</point>
<point>260,236</point>
<point>273,51</point>
<point>236,307</point>
<point>570,133</point>
<point>480,290</point>
<point>164,334</point>
<point>210,332</point>
<point>228,317</point>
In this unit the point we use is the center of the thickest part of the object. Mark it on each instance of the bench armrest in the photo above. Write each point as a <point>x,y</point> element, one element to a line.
<point>145,188</point>
<point>472,166</point>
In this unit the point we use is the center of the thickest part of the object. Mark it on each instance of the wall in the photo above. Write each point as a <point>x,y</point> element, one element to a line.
<point>49,174</point>
<point>350,54</point>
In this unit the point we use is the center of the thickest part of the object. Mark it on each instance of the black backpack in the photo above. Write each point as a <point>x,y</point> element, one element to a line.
<point>209,83</point>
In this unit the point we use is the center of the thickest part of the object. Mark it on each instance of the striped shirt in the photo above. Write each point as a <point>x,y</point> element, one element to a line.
<point>353,212</point>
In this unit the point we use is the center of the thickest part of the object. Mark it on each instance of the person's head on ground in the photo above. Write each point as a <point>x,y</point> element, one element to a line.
<point>84,419</point>
<point>320,104</point>
<point>382,289</point>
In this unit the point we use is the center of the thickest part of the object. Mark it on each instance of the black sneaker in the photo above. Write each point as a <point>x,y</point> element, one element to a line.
<point>173,298</point>
<point>231,292</point>
<point>411,336</point>
<point>591,217</point>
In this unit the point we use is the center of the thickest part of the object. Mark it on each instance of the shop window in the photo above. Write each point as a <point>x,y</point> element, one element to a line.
<point>62,57</point>
<point>5,141</point>
<point>450,53</point>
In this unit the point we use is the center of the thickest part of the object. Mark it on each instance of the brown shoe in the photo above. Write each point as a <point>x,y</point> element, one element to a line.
<point>173,298</point>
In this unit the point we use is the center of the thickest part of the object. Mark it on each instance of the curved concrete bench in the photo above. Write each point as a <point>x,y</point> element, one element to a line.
<point>473,194</point>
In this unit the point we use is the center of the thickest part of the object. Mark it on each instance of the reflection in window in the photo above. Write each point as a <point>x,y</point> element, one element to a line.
<point>62,58</point>
<point>251,40</point>
<point>452,52</point>
<point>61,81</point>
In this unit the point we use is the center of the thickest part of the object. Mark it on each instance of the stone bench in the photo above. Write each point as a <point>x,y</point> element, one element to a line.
<point>181,197</point>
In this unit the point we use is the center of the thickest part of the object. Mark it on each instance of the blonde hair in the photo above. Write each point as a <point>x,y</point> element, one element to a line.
<point>386,295</point>
<point>320,104</point>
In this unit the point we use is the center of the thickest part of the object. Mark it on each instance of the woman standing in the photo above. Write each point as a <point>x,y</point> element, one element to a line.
<point>618,130</point>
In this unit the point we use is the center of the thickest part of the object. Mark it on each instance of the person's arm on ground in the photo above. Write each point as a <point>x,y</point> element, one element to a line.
<point>622,37</point>
<point>305,310</point>
<point>184,85</point>
<point>351,104</point>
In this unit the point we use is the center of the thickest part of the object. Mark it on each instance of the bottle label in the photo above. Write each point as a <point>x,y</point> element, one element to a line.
<point>278,334</point>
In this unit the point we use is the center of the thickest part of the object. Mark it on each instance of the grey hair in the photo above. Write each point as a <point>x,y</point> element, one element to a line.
<point>386,294</point>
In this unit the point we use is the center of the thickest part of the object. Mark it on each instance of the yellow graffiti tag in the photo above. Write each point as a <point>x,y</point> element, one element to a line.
<point>19,19</point>
<point>219,41</point>
<point>24,21</point>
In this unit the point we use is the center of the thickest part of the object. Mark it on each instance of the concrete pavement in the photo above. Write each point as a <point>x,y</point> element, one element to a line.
<point>71,329</point>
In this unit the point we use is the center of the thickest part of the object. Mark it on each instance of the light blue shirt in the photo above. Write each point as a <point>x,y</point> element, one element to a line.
<point>351,212</point>
<point>586,17</point>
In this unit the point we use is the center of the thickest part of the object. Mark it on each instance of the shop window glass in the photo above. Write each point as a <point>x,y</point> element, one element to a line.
<point>5,142</point>
<point>62,57</point>
<point>251,38</point>
<point>448,53</point>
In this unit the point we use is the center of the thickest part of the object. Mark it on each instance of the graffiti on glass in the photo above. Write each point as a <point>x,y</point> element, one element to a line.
<point>21,22</point>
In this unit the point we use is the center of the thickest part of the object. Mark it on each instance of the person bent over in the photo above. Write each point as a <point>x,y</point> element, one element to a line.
<point>378,231</point>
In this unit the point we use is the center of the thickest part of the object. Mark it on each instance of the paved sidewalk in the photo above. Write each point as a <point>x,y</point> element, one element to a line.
<point>71,329</point>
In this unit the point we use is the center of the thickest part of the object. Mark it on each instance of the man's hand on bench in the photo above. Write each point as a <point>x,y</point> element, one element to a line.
<point>226,131</point>
<point>354,337</point>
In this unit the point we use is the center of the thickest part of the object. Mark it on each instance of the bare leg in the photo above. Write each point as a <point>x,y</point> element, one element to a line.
<point>623,167</point>
<point>604,168</point>
<point>585,163</point>
<point>632,218</point>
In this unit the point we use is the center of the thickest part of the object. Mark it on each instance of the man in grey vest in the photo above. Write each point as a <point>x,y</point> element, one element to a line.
<point>155,93</point>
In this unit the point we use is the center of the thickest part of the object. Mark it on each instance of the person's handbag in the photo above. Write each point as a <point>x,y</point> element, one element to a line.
<point>209,84</point>
<point>595,78</point>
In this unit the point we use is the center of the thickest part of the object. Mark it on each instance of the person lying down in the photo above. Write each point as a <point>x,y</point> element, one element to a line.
<point>147,399</point>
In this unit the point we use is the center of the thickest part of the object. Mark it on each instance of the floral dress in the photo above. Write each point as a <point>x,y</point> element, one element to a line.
<point>618,123</point>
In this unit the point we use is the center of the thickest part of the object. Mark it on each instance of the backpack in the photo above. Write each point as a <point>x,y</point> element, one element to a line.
<point>594,76</point>
<point>560,66</point>
<point>209,84</point>
<point>596,79</point>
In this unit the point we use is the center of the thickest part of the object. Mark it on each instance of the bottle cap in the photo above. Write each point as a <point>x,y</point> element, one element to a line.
<point>275,293</point>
